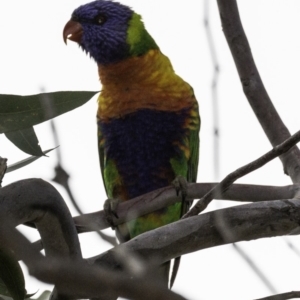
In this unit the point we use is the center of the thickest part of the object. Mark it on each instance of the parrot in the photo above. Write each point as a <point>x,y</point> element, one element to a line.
<point>148,117</point>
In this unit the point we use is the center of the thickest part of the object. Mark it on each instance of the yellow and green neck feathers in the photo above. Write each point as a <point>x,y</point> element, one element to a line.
<point>140,82</point>
<point>138,38</point>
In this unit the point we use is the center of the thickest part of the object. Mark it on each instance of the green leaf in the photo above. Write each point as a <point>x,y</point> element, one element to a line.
<point>12,282</point>
<point>44,296</point>
<point>26,140</point>
<point>19,112</point>
<point>22,163</point>
<point>3,289</point>
<point>2,297</point>
<point>28,296</point>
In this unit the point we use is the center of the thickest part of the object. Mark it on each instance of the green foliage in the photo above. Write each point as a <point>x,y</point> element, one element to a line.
<point>12,283</point>
<point>19,112</point>
<point>26,140</point>
<point>18,115</point>
<point>25,162</point>
<point>44,296</point>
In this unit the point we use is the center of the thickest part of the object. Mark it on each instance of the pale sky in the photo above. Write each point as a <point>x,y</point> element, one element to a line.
<point>34,56</point>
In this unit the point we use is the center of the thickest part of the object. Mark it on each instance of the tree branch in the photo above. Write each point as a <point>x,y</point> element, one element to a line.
<point>242,171</point>
<point>254,88</point>
<point>254,268</point>
<point>130,209</point>
<point>77,279</point>
<point>38,202</point>
<point>62,178</point>
<point>284,296</point>
<point>35,200</point>
<point>163,197</point>
<point>214,90</point>
<point>230,225</point>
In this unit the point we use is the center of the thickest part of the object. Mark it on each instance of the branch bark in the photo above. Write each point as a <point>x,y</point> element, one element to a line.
<point>254,88</point>
<point>163,197</point>
<point>77,279</point>
<point>38,202</point>
<point>230,225</point>
<point>19,199</point>
<point>242,171</point>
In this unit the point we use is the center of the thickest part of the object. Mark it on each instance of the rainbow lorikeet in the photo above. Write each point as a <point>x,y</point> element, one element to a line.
<point>148,119</point>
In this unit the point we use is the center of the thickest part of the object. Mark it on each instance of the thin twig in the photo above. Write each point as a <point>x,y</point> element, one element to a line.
<point>214,89</point>
<point>255,268</point>
<point>284,296</point>
<point>62,177</point>
<point>292,247</point>
<point>254,165</point>
<point>222,224</point>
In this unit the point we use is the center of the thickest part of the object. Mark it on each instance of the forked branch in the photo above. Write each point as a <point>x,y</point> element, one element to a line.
<point>254,88</point>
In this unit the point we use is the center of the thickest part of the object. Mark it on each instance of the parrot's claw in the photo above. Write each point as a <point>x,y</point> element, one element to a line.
<point>109,208</point>
<point>181,186</point>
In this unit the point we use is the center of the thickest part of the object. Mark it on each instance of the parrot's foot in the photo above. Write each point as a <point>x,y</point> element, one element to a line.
<point>109,208</point>
<point>181,186</point>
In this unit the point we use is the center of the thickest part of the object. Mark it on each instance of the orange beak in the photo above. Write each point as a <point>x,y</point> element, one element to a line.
<point>72,31</point>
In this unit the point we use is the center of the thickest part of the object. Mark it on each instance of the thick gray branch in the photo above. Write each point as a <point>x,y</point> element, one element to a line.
<point>77,279</point>
<point>163,197</point>
<point>253,86</point>
<point>230,225</point>
<point>36,201</point>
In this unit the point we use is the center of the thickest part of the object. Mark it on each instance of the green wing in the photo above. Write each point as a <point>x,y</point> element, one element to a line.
<point>194,148</point>
<point>101,156</point>
<point>110,175</point>
<point>192,169</point>
<point>194,141</point>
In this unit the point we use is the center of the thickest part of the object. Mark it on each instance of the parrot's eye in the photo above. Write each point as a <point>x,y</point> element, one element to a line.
<point>100,19</point>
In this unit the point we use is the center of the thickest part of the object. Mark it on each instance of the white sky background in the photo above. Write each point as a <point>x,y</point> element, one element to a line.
<point>33,56</point>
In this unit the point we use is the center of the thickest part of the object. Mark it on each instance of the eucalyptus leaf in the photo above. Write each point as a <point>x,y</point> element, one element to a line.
<point>19,112</point>
<point>11,275</point>
<point>3,297</point>
<point>26,140</point>
<point>28,296</point>
<point>44,296</point>
<point>3,289</point>
<point>22,163</point>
